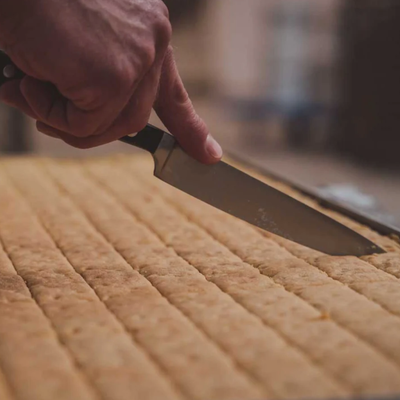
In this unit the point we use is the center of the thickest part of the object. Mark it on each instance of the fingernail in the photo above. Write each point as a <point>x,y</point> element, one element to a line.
<point>213,148</point>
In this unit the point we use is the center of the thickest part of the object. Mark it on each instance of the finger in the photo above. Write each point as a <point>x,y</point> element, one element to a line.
<point>132,119</point>
<point>79,143</point>
<point>47,130</point>
<point>136,114</point>
<point>10,93</point>
<point>176,111</point>
<point>58,112</point>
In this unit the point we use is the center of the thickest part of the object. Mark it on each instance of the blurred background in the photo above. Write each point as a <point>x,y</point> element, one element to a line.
<point>307,89</point>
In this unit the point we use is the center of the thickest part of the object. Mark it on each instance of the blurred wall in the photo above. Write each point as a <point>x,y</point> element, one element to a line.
<point>370,85</point>
<point>254,39</point>
<point>275,61</point>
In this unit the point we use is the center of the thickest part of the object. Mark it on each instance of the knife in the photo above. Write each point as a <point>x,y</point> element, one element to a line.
<point>237,193</point>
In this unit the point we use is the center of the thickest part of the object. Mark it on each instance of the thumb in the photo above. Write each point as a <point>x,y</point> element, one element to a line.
<point>176,111</point>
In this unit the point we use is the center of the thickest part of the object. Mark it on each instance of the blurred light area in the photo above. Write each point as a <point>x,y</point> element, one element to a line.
<point>308,88</point>
<point>279,68</point>
<point>270,49</point>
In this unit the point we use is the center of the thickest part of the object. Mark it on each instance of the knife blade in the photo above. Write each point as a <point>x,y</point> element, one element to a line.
<point>231,190</point>
<point>236,193</point>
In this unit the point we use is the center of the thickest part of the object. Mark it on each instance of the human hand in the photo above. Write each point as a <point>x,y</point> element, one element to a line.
<point>95,69</point>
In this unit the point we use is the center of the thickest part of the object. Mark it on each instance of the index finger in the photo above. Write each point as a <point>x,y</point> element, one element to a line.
<point>176,111</point>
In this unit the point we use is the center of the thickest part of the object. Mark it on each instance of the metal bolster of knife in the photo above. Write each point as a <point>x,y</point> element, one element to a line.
<point>147,139</point>
<point>159,143</point>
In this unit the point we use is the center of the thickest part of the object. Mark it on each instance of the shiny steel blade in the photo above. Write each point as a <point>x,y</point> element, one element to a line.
<point>244,197</point>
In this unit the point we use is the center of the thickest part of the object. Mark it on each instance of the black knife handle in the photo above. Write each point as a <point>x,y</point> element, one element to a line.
<point>8,70</point>
<point>147,139</point>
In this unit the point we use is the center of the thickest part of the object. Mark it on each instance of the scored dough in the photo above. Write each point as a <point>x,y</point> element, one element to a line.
<point>133,290</point>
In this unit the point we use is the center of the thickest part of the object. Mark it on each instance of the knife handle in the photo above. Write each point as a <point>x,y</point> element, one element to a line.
<point>147,139</point>
<point>8,69</point>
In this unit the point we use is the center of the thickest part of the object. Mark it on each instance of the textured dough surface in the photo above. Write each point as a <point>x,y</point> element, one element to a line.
<point>115,286</point>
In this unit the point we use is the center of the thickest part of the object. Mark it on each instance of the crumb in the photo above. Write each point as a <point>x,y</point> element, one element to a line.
<point>323,316</point>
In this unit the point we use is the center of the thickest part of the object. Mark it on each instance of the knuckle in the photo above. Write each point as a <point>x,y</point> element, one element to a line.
<point>123,74</point>
<point>159,7</point>
<point>118,77</point>
<point>164,26</point>
<point>88,116</point>
<point>161,26</point>
<point>164,33</point>
<point>114,79</point>
<point>89,98</point>
<point>148,55</point>
<point>164,9</point>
